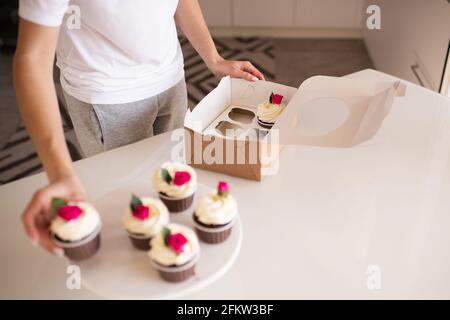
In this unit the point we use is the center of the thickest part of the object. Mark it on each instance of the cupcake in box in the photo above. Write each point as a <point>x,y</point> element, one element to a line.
<point>143,219</point>
<point>268,112</point>
<point>75,228</point>
<point>174,252</point>
<point>176,184</point>
<point>215,214</point>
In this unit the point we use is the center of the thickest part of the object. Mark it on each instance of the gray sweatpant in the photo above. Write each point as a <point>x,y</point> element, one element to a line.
<point>101,127</point>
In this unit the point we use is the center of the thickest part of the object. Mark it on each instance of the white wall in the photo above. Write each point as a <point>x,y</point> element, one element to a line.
<point>294,17</point>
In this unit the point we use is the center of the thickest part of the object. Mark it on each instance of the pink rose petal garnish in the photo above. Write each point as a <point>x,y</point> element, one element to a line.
<point>181,177</point>
<point>141,212</point>
<point>69,212</point>
<point>223,187</point>
<point>276,98</point>
<point>176,242</point>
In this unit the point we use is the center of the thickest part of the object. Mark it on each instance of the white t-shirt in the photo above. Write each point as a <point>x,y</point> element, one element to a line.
<point>112,51</point>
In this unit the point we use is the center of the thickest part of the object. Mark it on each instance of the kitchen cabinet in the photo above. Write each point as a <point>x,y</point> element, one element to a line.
<point>217,12</point>
<point>263,13</point>
<point>283,13</point>
<point>328,13</point>
<point>413,40</point>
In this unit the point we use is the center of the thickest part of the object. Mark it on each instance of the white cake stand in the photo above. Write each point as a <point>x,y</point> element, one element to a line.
<point>119,271</point>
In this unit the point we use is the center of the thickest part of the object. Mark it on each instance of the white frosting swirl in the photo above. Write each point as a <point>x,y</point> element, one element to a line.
<point>215,210</point>
<point>172,190</point>
<point>269,112</point>
<point>76,229</point>
<point>166,256</point>
<point>159,217</point>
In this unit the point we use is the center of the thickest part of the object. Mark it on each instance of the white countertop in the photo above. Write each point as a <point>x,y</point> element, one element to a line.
<point>312,230</point>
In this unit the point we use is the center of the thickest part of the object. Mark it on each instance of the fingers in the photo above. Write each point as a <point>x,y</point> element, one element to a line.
<point>37,216</point>
<point>47,243</point>
<point>35,221</point>
<point>245,75</point>
<point>250,68</point>
<point>238,69</point>
<point>30,215</point>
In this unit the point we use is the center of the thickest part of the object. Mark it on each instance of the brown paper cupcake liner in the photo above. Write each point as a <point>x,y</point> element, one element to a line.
<point>213,237</point>
<point>140,242</point>
<point>176,273</point>
<point>177,205</point>
<point>82,249</point>
<point>177,276</point>
<point>266,125</point>
<point>212,233</point>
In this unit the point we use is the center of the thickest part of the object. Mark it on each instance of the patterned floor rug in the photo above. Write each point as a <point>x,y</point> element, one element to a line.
<point>18,158</point>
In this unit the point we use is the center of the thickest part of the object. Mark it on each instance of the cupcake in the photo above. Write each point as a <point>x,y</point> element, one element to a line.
<point>174,252</point>
<point>143,219</point>
<point>268,112</point>
<point>176,184</point>
<point>75,228</point>
<point>215,214</point>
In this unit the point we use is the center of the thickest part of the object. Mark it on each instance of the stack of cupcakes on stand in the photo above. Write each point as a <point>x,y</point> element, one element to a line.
<point>176,184</point>
<point>215,214</point>
<point>75,228</point>
<point>174,249</point>
<point>143,219</point>
<point>174,252</point>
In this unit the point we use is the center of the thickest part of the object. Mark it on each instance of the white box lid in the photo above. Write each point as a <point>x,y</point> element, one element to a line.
<point>336,112</point>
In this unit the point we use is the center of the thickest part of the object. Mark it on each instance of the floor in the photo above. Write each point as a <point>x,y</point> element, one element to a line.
<point>297,60</point>
<point>287,61</point>
<point>9,115</point>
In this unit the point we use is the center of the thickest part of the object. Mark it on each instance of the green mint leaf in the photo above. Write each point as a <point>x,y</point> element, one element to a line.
<point>135,201</point>
<point>166,176</point>
<point>270,98</point>
<point>166,234</point>
<point>58,203</point>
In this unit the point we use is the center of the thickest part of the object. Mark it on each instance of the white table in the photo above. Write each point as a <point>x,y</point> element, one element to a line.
<point>311,231</point>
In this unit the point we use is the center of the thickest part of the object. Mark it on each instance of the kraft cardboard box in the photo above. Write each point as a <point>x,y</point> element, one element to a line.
<point>222,134</point>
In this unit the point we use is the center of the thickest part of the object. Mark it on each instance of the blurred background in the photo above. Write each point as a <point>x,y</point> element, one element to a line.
<point>289,40</point>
